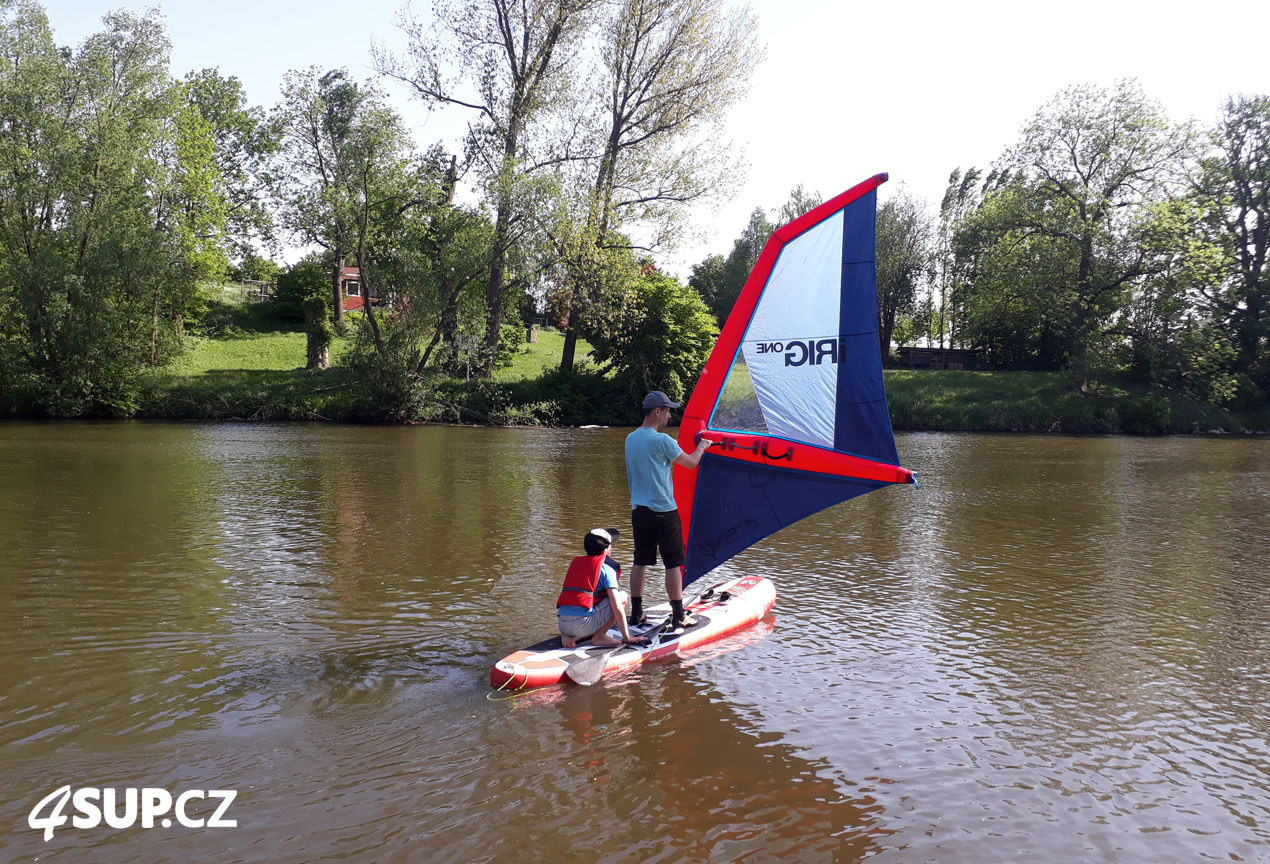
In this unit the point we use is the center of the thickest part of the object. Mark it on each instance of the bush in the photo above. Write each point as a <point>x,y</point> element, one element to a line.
<point>307,278</point>
<point>662,340</point>
<point>1149,415</point>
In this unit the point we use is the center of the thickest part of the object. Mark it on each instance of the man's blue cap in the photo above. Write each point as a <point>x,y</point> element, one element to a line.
<point>658,399</point>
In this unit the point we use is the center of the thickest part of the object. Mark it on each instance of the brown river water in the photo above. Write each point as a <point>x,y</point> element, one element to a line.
<point>1057,647</point>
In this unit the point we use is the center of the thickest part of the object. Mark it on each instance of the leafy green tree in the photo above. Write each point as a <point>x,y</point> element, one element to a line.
<point>1017,299</point>
<point>514,62</point>
<point>903,253</point>
<point>298,283</point>
<point>719,280</point>
<point>111,209</point>
<point>1065,232</point>
<point>668,72</point>
<point>662,341</point>
<point>800,201</point>
<point>960,198</point>
<point>710,279</point>
<point>319,117</point>
<point>256,268</point>
<point>1232,190</point>
<point>440,272</point>
<point>246,141</point>
<point>302,290</point>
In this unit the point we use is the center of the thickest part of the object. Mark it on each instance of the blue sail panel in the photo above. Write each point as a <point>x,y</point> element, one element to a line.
<point>739,503</point>
<point>862,423</point>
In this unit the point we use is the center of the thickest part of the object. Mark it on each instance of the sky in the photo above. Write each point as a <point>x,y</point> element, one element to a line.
<point>847,90</point>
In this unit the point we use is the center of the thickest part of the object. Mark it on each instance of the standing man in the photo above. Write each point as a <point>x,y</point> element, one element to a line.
<point>650,454</point>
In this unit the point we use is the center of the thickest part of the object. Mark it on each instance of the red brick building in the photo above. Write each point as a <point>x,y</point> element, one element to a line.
<point>353,290</point>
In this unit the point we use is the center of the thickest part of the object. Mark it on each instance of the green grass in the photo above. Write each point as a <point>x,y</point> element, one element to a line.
<point>252,368</point>
<point>538,357</point>
<point>262,394</point>
<point>250,337</point>
<point>247,352</point>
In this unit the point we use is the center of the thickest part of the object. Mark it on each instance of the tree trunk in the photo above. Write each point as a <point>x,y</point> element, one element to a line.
<point>570,346</point>
<point>884,335</point>
<point>1080,336</point>
<point>1249,332</point>
<point>447,329</point>
<point>319,354</point>
<point>317,334</point>
<point>335,289</point>
<point>494,292</point>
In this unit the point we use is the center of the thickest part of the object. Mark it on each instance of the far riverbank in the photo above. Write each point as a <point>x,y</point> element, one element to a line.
<point>925,400</point>
<point>251,375</point>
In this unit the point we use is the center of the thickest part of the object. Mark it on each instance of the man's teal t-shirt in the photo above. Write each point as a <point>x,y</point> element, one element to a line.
<point>649,455</point>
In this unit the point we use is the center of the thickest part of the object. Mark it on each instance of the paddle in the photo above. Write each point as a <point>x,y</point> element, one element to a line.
<point>590,670</point>
<point>587,672</point>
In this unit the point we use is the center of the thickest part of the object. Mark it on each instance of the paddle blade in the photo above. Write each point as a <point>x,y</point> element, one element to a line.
<point>587,672</point>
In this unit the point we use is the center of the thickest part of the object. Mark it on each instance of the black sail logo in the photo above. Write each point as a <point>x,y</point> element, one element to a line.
<point>807,352</point>
<point>740,529</point>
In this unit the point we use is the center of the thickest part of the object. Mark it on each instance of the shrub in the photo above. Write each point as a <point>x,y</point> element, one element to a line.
<point>661,341</point>
<point>1149,415</point>
<point>307,278</point>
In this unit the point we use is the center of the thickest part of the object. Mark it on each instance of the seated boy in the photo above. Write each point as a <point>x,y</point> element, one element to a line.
<point>591,602</point>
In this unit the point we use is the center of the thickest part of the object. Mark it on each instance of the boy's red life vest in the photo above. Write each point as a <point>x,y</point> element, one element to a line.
<point>580,581</point>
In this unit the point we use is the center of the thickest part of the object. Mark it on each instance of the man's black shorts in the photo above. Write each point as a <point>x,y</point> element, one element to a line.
<point>653,531</point>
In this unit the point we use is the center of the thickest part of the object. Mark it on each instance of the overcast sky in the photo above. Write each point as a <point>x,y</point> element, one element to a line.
<point>848,89</point>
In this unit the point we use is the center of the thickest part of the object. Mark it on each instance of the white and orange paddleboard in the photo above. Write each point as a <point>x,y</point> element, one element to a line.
<point>723,608</point>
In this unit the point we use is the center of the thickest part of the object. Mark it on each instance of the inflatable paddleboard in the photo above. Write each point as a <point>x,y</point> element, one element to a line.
<point>723,608</point>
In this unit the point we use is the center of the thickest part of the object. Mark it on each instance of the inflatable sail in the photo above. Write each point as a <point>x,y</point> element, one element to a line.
<point>792,393</point>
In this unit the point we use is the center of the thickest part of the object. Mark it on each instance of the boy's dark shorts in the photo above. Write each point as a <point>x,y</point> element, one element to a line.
<point>652,531</point>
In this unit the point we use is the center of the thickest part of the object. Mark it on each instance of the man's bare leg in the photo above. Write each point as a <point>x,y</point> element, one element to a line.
<point>637,579</point>
<point>674,583</point>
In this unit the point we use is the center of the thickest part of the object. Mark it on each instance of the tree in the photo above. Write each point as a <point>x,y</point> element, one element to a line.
<point>303,286</point>
<point>719,280</point>
<point>668,72</point>
<point>902,243</point>
<point>1014,294</point>
<point>800,201</point>
<point>318,175</point>
<point>662,341</point>
<point>111,209</point>
<point>455,251</point>
<point>959,199</point>
<point>245,143</point>
<point>1083,179</point>
<point>1170,338</point>
<point>514,63</point>
<point>1232,190</point>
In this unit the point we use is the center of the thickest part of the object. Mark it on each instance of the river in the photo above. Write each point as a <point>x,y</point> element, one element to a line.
<point>1057,647</point>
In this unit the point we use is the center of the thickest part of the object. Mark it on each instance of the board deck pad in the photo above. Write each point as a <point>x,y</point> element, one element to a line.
<point>724,607</point>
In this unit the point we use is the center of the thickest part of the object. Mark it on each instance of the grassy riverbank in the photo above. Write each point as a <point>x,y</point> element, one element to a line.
<point>255,376</point>
<point>950,400</point>
<point>249,366</point>
<point>258,374</point>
